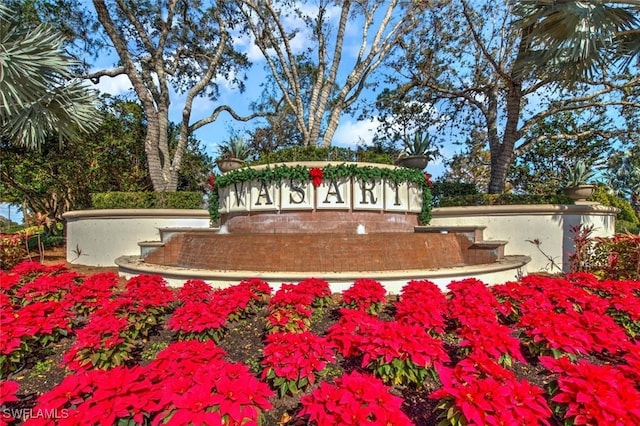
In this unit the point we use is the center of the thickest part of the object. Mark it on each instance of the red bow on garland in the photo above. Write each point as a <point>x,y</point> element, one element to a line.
<point>316,176</point>
<point>427,176</point>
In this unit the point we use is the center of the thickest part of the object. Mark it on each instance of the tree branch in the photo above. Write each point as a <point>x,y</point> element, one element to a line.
<point>576,104</point>
<point>137,25</point>
<point>479,43</point>
<point>528,144</point>
<point>216,112</point>
<point>265,40</point>
<point>113,72</point>
<point>123,52</point>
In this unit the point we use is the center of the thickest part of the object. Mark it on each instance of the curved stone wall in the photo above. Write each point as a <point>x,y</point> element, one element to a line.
<point>320,222</point>
<point>549,224</point>
<point>98,237</point>
<point>101,236</point>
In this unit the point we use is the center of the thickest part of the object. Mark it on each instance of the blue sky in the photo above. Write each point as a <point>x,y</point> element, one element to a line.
<point>10,212</point>
<point>350,131</point>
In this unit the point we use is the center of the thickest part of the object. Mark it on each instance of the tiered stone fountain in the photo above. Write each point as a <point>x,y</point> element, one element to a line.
<point>325,220</point>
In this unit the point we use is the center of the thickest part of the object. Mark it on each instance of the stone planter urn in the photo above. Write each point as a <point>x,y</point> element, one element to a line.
<point>580,192</point>
<point>228,164</point>
<point>418,162</point>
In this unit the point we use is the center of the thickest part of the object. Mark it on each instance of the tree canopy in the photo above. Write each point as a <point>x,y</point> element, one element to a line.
<point>58,178</point>
<point>465,61</point>
<point>167,50</point>
<point>459,69</point>
<point>319,82</point>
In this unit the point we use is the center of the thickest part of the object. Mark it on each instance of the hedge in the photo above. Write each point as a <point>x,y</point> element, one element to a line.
<point>315,153</point>
<point>147,200</point>
<point>503,199</point>
<point>627,213</point>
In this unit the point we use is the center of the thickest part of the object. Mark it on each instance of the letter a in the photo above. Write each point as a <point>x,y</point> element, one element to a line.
<point>336,193</point>
<point>263,193</point>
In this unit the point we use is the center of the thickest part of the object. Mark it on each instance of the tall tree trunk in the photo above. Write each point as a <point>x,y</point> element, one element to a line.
<point>500,164</point>
<point>503,154</point>
<point>163,173</point>
<point>332,126</point>
<point>150,148</point>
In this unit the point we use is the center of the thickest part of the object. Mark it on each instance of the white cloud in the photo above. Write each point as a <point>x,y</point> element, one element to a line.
<point>246,43</point>
<point>353,133</point>
<point>202,106</point>
<point>226,83</point>
<point>114,85</point>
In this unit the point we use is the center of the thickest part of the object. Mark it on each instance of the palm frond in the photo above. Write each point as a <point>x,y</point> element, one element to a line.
<point>37,98</point>
<point>66,110</point>
<point>76,106</point>
<point>5,13</point>
<point>628,46</point>
<point>578,37</point>
<point>31,61</point>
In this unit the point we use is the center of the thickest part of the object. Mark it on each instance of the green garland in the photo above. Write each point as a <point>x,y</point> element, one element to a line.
<point>299,173</point>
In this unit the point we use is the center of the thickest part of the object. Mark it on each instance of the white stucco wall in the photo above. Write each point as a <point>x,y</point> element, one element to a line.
<point>98,237</point>
<point>101,236</point>
<point>551,224</point>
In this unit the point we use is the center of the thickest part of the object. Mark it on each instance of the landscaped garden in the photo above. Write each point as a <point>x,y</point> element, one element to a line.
<point>96,349</point>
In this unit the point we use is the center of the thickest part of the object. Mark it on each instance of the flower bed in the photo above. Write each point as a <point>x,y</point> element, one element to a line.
<point>543,350</point>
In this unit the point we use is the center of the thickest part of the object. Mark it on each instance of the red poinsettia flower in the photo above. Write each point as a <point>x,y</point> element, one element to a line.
<point>354,399</point>
<point>8,390</point>
<point>316,176</point>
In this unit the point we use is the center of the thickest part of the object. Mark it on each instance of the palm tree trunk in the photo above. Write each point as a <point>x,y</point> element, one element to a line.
<point>503,154</point>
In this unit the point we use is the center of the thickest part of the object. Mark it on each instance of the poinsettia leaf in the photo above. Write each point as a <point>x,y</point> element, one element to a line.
<point>94,358</point>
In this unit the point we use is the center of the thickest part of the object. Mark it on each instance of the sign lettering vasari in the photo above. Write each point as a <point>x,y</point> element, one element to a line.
<point>335,194</point>
<point>321,185</point>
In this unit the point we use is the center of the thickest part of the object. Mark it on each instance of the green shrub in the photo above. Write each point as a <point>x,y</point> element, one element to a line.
<point>624,226</point>
<point>447,189</point>
<point>120,200</point>
<point>627,213</point>
<point>314,153</point>
<point>615,258</point>
<point>366,156</point>
<point>302,153</point>
<point>179,200</point>
<point>12,250</point>
<point>147,200</point>
<point>503,199</point>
